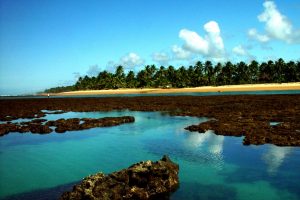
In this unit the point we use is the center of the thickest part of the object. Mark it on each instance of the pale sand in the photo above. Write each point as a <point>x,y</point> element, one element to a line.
<point>227,88</point>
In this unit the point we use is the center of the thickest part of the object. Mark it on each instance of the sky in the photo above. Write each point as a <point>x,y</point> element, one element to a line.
<point>51,43</point>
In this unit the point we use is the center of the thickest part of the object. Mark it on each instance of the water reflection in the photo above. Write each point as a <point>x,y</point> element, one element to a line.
<point>274,158</point>
<point>214,142</point>
<point>209,142</point>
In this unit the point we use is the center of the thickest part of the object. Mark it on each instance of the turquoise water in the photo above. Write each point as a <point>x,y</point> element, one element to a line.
<point>211,167</point>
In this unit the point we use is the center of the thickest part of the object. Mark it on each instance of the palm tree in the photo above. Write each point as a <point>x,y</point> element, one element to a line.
<point>253,71</point>
<point>198,72</point>
<point>119,77</point>
<point>278,70</point>
<point>182,77</point>
<point>105,80</point>
<point>160,78</point>
<point>142,79</point>
<point>130,80</point>
<point>208,72</point>
<point>78,84</point>
<point>151,74</point>
<point>218,76</point>
<point>298,70</point>
<point>290,72</point>
<point>228,71</point>
<point>171,75</point>
<point>241,74</point>
<point>196,75</point>
<point>264,72</point>
<point>270,70</point>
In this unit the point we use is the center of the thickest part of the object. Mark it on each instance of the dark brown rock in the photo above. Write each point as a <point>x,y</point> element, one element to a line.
<point>63,125</point>
<point>237,115</point>
<point>87,123</point>
<point>41,129</point>
<point>4,129</point>
<point>38,121</point>
<point>144,180</point>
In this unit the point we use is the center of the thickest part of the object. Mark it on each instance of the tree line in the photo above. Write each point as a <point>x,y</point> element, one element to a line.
<point>200,74</point>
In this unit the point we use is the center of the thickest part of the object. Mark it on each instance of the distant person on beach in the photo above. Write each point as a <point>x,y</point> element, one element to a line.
<point>48,95</point>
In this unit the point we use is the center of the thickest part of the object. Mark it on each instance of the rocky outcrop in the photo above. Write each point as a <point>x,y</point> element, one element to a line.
<point>238,115</point>
<point>62,125</point>
<point>73,124</point>
<point>144,180</point>
<point>254,132</point>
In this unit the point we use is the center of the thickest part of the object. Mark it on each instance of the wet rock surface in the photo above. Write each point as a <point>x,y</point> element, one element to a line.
<point>236,115</point>
<point>143,180</point>
<point>62,125</point>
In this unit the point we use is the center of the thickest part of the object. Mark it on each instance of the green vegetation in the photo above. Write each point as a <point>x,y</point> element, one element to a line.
<point>60,89</point>
<point>201,74</point>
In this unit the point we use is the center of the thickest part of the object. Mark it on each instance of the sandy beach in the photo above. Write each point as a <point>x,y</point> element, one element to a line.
<point>226,88</point>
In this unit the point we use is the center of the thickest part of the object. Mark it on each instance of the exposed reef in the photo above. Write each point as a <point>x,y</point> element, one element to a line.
<point>42,126</point>
<point>236,115</point>
<point>143,180</point>
<point>255,132</point>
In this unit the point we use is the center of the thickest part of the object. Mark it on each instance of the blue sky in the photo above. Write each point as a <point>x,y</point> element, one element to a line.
<point>49,43</point>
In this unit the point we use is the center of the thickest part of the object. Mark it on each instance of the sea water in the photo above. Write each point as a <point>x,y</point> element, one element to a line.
<point>34,166</point>
<point>268,92</point>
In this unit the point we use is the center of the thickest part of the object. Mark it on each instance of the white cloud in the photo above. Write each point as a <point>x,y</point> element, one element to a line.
<point>254,35</point>
<point>180,53</point>
<point>211,45</point>
<point>277,26</point>
<point>128,61</point>
<point>131,60</point>
<point>194,42</point>
<point>215,40</point>
<point>162,58</point>
<point>240,50</point>
<point>243,51</point>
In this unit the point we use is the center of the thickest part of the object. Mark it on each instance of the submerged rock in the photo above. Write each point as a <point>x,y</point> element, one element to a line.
<point>143,180</point>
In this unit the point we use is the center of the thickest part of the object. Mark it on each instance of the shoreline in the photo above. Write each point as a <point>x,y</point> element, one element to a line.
<point>225,88</point>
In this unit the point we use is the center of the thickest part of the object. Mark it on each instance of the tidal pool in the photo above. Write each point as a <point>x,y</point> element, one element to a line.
<point>36,166</point>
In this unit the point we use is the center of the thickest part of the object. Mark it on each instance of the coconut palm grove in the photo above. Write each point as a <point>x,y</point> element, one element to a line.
<point>200,74</point>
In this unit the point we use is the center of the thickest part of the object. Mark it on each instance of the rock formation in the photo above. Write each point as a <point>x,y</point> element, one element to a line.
<point>238,115</point>
<point>62,125</point>
<point>143,180</point>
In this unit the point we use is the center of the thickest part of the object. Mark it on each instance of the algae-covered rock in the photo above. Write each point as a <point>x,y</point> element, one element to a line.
<point>143,180</point>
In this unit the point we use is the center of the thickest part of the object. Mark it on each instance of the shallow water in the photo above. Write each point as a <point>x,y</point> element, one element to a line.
<point>211,167</point>
<point>268,92</point>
